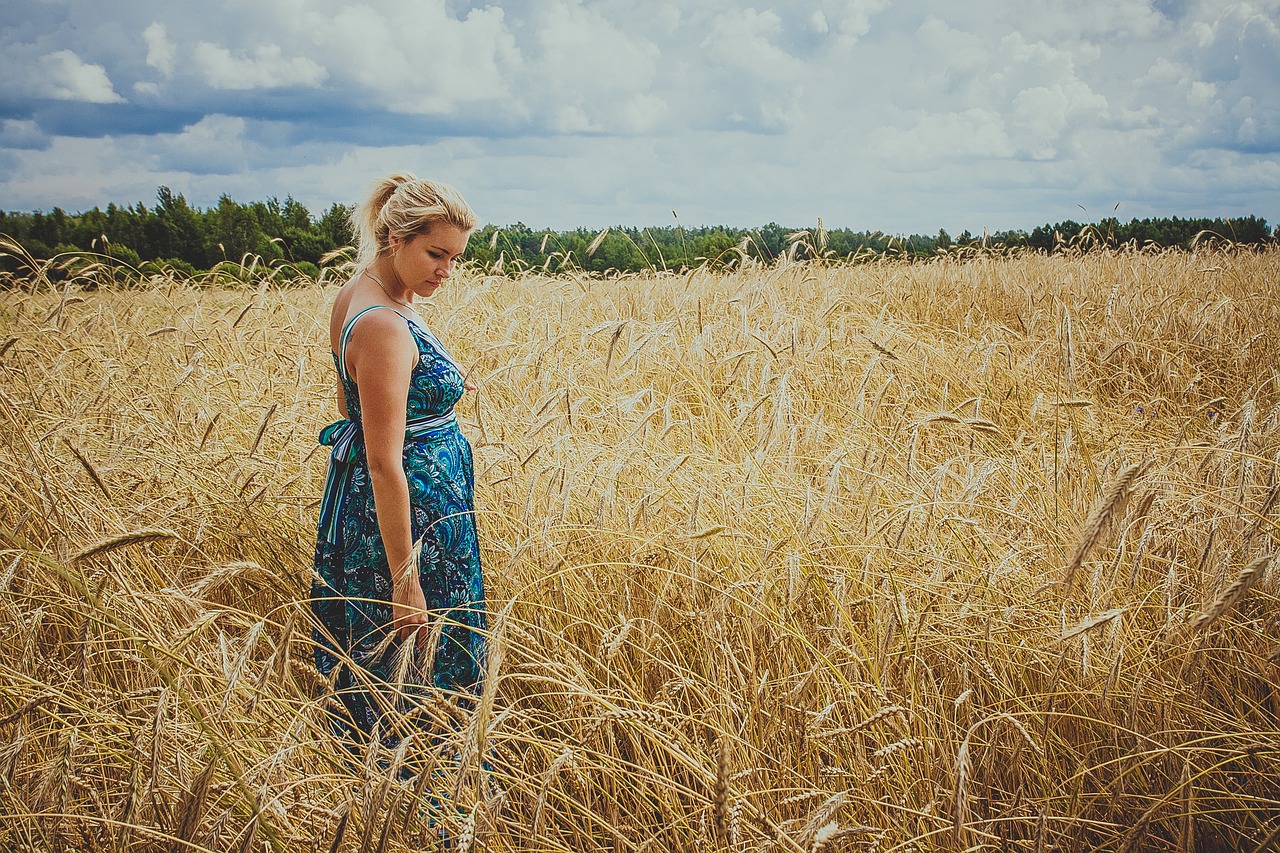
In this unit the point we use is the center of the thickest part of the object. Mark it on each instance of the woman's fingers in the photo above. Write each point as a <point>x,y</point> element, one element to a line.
<point>406,620</point>
<point>409,629</point>
<point>409,609</point>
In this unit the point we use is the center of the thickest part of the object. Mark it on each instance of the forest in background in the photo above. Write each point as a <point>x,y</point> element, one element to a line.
<point>174,234</point>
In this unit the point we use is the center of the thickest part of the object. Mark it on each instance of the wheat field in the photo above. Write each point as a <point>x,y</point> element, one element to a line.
<point>975,553</point>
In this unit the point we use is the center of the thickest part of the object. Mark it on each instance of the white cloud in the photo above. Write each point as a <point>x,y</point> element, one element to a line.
<point>757,81</point>
<point>1164,72</point>
<point>1041,115</point>
<point>214,145</point>
<point>414,57</point>
<point>267,68</point>
<point>1200,95</point>
<point>939,137</point>
<point>21,134</point>
<point>79,173</point>
<point>1114,20</point>
<point>850,19</point>
<point>69,78</point>
<point>743,42</point>
<point>160,51</point>
<point>589,75</point>
<point>889,115</point>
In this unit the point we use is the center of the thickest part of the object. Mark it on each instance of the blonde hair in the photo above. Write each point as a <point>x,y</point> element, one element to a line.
<point>402,205</point>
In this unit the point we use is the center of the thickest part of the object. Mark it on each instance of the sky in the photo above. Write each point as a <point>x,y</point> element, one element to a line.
<point>904,117</point>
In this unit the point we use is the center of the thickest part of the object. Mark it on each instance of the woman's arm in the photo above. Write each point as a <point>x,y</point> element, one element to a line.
<point>380,357</point>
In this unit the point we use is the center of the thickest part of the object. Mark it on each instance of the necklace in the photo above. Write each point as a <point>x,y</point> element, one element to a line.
<point>383,288</point>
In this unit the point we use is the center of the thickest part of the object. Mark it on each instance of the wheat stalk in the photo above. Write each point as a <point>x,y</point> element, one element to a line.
<point>879,716</point>
<point>898,746</point>
<point>821,816</point>
<point>88,467</point>
<point>1234,592</point>
<point>720,791</point>
<point>960,793</point>
<point>467,835</point>
<point>195,801</point>
<point>1107,509</point>
<point>120,541</point>
<point>565,757</point>
<point>1092,622</point>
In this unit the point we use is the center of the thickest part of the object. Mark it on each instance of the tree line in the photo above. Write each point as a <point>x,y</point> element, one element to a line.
<point>173,234</point>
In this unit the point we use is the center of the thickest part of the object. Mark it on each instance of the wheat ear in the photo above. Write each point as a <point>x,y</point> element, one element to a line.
<point>1239,587</point>
<point>120,541</point>
<point>1109,507</point>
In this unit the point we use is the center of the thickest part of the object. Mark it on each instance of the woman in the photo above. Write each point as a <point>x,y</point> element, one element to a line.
<point>396,553</point>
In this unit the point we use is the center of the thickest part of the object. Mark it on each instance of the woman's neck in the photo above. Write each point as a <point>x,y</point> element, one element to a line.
<point>389,283</point>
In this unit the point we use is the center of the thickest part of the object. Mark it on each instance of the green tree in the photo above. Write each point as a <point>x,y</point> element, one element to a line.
<point>335,227</point>
<point>178,228</point>
<point>235,233</point>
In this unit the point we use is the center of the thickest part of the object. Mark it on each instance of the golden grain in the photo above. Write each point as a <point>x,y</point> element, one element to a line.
<point>467,835</point>
<point>720,791</point>
<point>1108,507</point>
<point>194,801</point>
<point>811,509</point>
<point>1234,591</point>
<point>120,541</point>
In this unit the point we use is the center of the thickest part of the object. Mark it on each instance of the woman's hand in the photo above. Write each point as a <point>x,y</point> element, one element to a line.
<point>409,607</point>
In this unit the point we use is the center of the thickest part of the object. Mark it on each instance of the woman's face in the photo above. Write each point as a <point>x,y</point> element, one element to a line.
<point>423,261</point>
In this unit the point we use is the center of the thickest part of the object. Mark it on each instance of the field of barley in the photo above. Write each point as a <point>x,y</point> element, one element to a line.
<point>975,553</point>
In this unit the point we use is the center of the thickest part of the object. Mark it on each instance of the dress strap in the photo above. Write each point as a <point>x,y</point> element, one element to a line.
<point>346,335</point>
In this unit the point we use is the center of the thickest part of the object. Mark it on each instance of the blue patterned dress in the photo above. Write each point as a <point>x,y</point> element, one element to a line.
<point>351,595</point>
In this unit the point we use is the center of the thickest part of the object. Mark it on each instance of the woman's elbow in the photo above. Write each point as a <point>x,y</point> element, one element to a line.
<point>385,468</point>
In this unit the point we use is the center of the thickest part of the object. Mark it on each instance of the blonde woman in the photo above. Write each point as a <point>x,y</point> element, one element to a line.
<point>396,548</point>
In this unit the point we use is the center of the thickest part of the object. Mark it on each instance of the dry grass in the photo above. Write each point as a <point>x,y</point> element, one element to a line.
<point>886,557</point>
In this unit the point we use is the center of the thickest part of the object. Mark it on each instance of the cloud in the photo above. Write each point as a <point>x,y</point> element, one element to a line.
<point>605,111</point>
<point>1217,90</point>
<point>1243,54</point>
<point>936,138</point>
<point>160,51</point>
<point>266,68</point>
<point>1042,115</point>
<point>757,82</point>
<point>22,135</point>
<point>215,145</point>
<point>69,78</point>
<point>595,78</point>
<point>851,19</point>
<point>415,57</point>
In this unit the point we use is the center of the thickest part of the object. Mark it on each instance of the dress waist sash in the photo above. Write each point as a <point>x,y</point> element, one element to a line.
<point>346,437</point>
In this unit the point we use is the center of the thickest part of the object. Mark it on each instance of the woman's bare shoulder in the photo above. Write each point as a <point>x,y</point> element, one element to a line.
<point>352,301</point>
<point>380,338</point>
